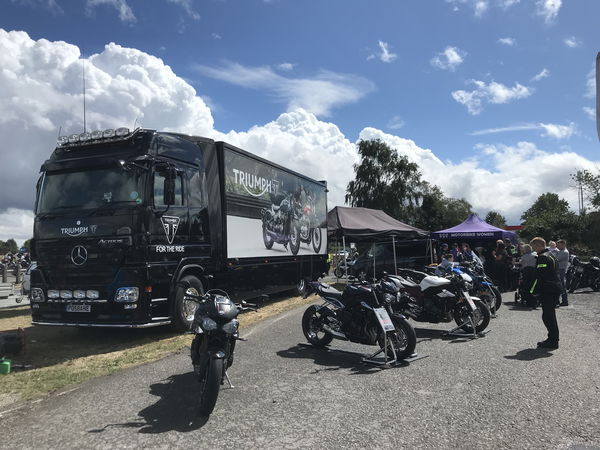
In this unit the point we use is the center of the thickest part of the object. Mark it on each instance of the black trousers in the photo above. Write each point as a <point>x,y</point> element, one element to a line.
<point>549,302</point>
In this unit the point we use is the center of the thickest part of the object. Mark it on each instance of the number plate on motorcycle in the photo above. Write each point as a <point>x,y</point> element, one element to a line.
<point>384,319</point>
<point>470,301</point>
<point>78,308</point>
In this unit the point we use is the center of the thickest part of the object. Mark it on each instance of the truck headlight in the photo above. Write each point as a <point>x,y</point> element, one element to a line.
<point>66,294</point>
<point>127,295</point>
<point>92,294</point>
<point>53,293</point>
<point>37,295</point>
<point>79,294</point>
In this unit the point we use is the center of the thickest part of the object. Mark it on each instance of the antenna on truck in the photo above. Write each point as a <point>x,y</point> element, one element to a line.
<point>83,74</point>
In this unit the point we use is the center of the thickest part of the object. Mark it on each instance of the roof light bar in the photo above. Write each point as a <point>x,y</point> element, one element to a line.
<point>95,135</point>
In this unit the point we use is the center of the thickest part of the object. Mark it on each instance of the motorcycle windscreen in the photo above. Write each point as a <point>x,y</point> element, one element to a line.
<point>270,211</point>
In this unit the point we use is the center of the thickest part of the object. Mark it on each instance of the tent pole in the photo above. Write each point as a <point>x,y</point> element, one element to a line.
<point>394,245</point>
<point>344,256</point>
<point>374,273</point>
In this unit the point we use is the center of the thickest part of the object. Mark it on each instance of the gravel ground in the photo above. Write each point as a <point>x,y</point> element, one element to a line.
<point>494,392</point>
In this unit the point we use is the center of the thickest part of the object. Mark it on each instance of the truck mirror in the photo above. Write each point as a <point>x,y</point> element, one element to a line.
<point>169,191</point>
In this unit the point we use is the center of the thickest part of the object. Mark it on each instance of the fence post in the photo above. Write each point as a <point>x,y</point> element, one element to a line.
<point>5,274</point>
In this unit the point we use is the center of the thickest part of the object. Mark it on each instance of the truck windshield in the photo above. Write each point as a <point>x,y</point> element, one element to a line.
<point>89,189</point>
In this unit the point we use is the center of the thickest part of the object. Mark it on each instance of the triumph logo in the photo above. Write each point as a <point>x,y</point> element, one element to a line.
<point>79,255</point>
<point>170,224</point>
<point>253,184</point>
<point>79,230</point>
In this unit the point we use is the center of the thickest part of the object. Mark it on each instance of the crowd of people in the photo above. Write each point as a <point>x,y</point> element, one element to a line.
<point>540,269</point>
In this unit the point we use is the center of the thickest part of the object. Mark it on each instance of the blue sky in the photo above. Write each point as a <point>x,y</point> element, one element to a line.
<point>467,79</point>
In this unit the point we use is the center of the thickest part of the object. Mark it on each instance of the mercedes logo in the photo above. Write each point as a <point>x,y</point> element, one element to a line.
<point>79,255</point>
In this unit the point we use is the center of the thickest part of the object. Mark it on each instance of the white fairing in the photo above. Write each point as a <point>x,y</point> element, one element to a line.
<point>466,277</point>
<point>428,282</point>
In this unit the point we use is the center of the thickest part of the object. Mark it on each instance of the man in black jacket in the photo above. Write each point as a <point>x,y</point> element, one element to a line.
<point>547,285</point>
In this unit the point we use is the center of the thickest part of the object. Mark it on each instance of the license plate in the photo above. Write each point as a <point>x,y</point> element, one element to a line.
<point>78,308</point>
<point>469,301</point>
<point>384,319</point>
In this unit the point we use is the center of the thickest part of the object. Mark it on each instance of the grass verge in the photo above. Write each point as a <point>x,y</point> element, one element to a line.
<point>61,357</point>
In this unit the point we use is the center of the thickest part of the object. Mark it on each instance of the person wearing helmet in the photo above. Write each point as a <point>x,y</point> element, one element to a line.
<point>546,284</point>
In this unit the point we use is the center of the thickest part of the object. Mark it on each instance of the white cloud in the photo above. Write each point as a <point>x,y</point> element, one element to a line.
<point>383,54</point>
<point>480,7</point>
<point>544,73</point>
<point>395,123</point>
<point>39,85</point>
<point>449,59</point>
<point>318,95</point>
<point>50,5</point>
<point>493,92</point>
<point>590,112</point>
<point>590,83</point>
<point>508,3</point>
<point>507,41</point>
<point>16,224</point>
<point>572,42</point>
<point>286,66</point>
<point>551,130</point>
<point>124,10</point>
<point>187,7</point>
<point>216,36</point>
<point>548,9</point>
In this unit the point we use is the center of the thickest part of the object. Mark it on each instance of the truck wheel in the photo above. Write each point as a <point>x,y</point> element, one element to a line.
<point>268,240</point>
<point>316,240</point>
<point>184,310</point>
<point>294,238</point>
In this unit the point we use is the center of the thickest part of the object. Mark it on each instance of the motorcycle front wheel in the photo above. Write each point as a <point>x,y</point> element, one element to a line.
<point>404,339</point>
<point>294,237</point>
<point>498,295</point>
<point>311,327</point>
<point>267,239</point>
<point>210,386</point>
<point>316,239</point>
<point>481,317</point>
<point>574,284</point>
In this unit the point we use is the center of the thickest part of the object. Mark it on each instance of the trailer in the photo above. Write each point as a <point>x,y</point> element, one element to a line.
<point>123,216</point>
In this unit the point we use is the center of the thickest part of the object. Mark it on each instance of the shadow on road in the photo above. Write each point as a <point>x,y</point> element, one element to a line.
<point>333,359</point>
<point>175,409</point>
<point>428,334</point>
<point>529,354</point>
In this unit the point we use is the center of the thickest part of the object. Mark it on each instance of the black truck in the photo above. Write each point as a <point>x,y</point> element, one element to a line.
<point>122,217</point>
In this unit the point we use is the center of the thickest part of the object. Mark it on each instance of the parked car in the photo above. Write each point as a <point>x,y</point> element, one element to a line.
<point>26,285</point>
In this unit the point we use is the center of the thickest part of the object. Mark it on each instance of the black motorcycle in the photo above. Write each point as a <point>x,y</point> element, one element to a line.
<point>216,331</point>
<point>581,274</point>
<point>438,299</point>
<point>362,313</point>
<point>279,223</point>
<point>310,233</point>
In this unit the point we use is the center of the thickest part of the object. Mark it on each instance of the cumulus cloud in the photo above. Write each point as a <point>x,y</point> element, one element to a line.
<point>124,10</point>
<point>286,66</point>
<point>548,9</point>
<point>496,93</point>
<point>319,94</point>
<point>496,168</point>
<point>507,41</point>
<point>544,73</point>
<point>550,130</point>
<point>572,42</point>
<point>590,83</point>
<point>449,59</point>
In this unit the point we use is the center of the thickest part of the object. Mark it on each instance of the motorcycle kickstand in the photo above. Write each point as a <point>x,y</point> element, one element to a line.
<point>231,386</point>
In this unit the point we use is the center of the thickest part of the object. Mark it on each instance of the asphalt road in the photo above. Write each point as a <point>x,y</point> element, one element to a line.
<point>494,392</point>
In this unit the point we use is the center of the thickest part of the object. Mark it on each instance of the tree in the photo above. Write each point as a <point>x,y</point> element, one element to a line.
<point>27,244</point>
<point>550,218</point>
<point>590,184</point>
<point>496,219</point>
<point>385,180</point>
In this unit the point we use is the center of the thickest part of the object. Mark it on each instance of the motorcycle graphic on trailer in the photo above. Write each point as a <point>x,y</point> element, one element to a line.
<point>279,223</point>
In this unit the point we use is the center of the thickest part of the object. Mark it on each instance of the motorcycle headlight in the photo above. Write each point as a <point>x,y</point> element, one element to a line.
<point>208,324</point>
<point>389,298</point>
<point>231,327</point>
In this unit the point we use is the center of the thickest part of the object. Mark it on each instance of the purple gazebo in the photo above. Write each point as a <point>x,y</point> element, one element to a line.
<point>474,229</point>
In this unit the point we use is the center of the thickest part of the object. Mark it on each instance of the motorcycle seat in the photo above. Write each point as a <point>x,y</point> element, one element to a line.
<point>329,291</point>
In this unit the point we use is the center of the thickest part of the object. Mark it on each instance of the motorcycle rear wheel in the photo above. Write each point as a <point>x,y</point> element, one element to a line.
<point>312,328</point>
<point>404,339</point>
<point>481,317</point>
<point>210,386</point>
<point>267,239</point>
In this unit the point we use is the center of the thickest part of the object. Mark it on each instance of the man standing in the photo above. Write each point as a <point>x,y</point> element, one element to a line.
<point>562,256</point>
<point>546,284</point>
